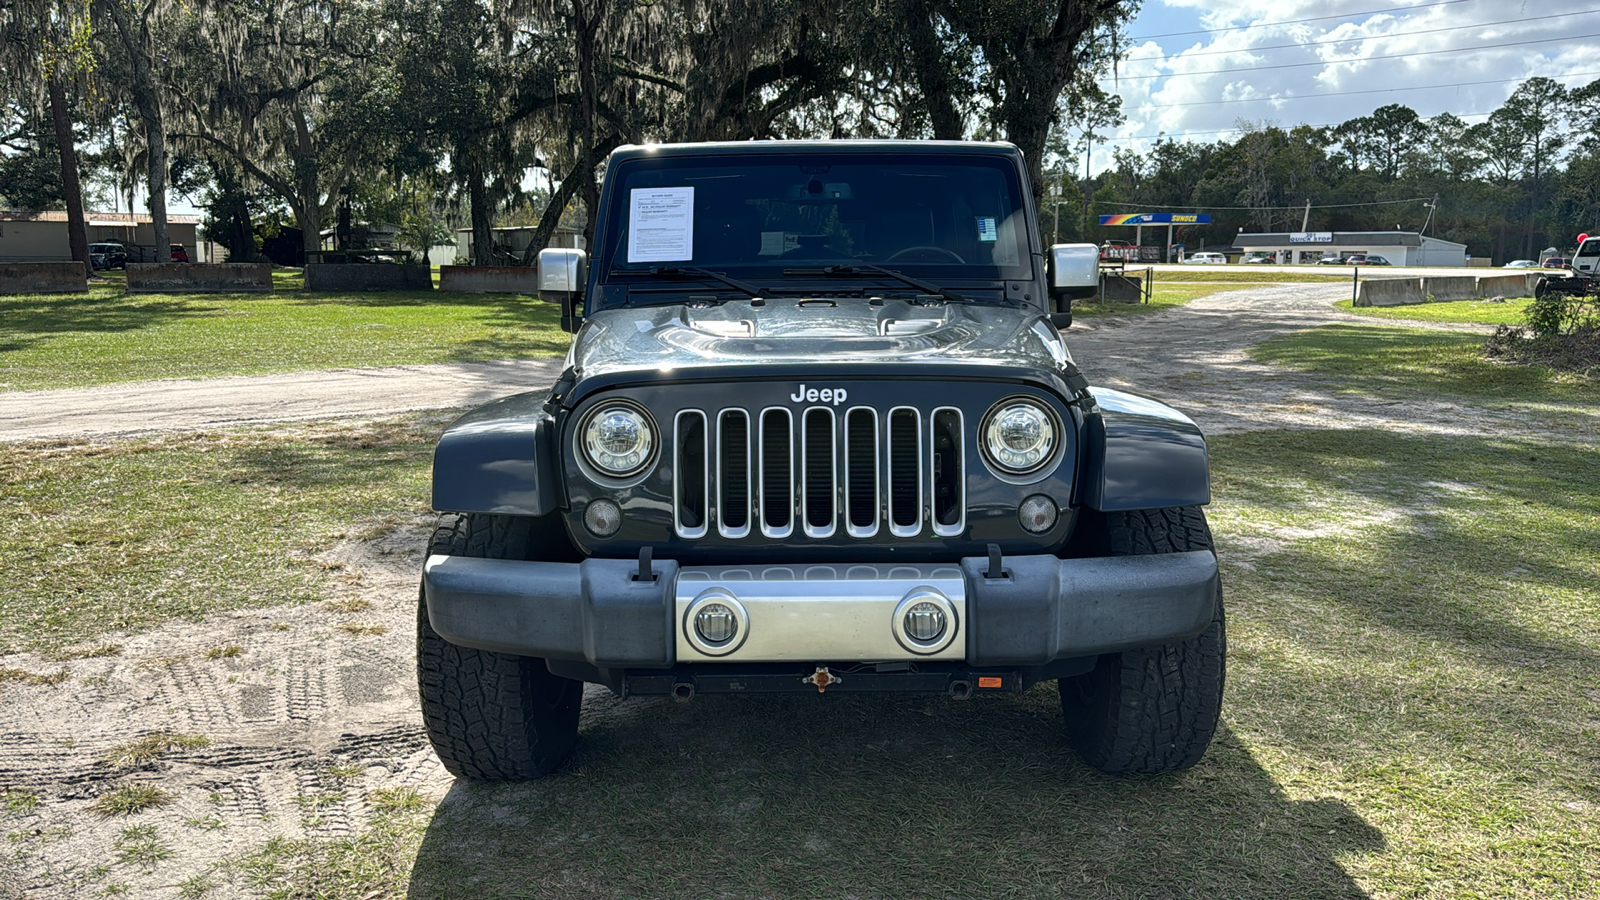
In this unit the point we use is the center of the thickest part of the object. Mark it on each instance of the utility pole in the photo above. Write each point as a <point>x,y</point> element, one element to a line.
<point>1431,207</point>
<point>1305,220</point>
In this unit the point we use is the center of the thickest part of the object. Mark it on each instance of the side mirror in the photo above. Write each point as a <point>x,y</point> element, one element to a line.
<point>563,274</point>
<point>1073,269</point>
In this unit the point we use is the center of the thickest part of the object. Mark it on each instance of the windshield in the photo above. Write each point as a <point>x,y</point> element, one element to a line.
<point>945,218</point>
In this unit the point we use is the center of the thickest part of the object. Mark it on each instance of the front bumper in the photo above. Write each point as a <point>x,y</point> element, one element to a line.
<point>601,613</point>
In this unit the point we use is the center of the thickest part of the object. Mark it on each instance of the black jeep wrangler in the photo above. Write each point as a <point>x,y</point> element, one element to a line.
<point>818,431</point>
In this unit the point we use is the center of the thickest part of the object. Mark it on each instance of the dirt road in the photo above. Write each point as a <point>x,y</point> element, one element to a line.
<point>312,713</point>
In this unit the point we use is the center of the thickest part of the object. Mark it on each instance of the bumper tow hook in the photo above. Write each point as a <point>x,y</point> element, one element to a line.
<point>822,678</point>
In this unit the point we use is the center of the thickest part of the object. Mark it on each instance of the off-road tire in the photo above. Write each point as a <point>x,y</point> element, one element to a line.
<point>492,716</point>
<point>1155,709</point>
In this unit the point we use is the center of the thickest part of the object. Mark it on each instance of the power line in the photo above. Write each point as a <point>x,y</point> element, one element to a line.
<point>1368,37</point>
<point>1146,37</point>
<point>1337,62</point>
<point>1267,208</point>
<point>1426,87</point>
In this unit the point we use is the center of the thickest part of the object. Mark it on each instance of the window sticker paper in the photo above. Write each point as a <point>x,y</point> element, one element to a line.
<point>661,225</point>
<point>988,230</point>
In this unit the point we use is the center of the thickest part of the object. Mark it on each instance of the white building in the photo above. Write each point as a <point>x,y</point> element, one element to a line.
<point>1400,248</point>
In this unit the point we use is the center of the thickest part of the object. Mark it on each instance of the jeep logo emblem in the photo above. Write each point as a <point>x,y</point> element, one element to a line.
<point>804,394</point>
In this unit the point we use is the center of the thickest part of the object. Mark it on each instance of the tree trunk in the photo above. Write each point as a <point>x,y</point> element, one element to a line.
<point>482,222</point>
<point>586,25</point>
<point>147,98</point>
<point>71,187</point>
<point>933,74</point>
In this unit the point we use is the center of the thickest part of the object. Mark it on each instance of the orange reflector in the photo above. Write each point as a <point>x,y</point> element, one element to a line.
<point>990,681</point>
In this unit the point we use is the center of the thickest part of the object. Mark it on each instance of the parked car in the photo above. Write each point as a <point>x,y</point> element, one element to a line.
<point>1521,264</point>
<point>179,254</point>
<point>1366,259</point>
<point>1330,259</point>
<point>108,255</point>
<point>1206,259</point>
<point>1556,262</point>
<point>1260,259</point>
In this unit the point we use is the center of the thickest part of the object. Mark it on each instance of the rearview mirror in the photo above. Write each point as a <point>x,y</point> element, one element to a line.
<point>562,277</point>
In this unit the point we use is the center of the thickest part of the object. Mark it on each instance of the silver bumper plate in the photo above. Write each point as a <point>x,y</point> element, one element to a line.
<point>823,612</point>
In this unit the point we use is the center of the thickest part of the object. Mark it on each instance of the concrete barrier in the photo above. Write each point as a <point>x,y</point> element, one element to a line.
<point>1390,292</point>
<point>489,279</point>
<point>1506,285</point>
<point>1444,288</point>
<point>205,278</point>
<point>368,277</point>
<point>44,278</point>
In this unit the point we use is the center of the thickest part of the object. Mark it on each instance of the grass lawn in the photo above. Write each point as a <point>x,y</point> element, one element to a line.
<point>132,534</point>
<point>105,336</point>
<point>1487,312</point>
<point>1394,362</point>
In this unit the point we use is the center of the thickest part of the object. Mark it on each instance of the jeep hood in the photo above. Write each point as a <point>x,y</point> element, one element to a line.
<point>849,331</point>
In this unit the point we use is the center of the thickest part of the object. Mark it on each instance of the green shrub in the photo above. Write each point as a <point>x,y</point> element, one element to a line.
<point>1557,313</point>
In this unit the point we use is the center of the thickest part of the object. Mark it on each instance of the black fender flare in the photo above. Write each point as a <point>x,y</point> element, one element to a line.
<point>500,458</point>
<point>1141,454</point>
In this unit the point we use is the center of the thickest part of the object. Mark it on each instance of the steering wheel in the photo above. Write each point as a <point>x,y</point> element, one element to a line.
<point>926,249</point>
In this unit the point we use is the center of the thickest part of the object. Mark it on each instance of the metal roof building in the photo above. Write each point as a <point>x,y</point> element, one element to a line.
<point>1400,248</point>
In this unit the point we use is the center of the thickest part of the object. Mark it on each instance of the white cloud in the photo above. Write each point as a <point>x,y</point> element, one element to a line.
<point>1258,63</point>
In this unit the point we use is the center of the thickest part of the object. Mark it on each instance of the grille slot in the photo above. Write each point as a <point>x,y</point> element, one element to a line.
<point>818,478</point>
<point>777,473</point>
<point>690,471</point>
<point>949,472</point>
<point>861,472</point>
<point>905,472</point>
<point>733,473</point>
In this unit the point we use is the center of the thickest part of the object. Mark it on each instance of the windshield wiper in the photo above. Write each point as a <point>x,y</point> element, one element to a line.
<point>927,287</point>
<point>696,272</point>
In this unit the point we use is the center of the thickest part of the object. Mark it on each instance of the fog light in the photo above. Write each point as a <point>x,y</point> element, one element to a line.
<point>925,622</point>
<point>716,623</point>
<point>1037,514</point>
<point>602,518</point>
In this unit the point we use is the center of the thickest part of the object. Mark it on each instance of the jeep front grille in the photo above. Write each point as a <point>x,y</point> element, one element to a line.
<point>859,472</point>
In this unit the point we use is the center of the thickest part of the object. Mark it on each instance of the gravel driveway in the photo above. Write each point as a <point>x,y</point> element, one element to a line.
<point>310,719</point>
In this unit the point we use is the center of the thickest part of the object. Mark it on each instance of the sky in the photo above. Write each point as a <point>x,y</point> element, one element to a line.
<point>1198,67</point>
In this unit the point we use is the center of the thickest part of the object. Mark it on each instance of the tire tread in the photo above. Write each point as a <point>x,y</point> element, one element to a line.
<point>491,716</point>
<point>1154,709</point>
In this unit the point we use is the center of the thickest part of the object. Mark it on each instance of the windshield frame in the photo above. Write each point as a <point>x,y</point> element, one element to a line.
<point>614,283</point>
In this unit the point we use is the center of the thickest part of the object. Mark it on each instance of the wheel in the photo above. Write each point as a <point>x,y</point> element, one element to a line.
<point>930,250</point>
<point>491,716</point>
<point>1155,709</point>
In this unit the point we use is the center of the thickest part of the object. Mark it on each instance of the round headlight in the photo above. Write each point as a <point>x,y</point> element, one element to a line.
<point>618,440</point>
<point>1019,436</point>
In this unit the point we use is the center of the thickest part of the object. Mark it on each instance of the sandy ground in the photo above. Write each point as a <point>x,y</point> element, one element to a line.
<point>317,711</point>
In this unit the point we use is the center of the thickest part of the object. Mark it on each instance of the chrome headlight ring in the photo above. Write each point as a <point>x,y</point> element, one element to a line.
<point>1020,435</point>
<point>618,439</point>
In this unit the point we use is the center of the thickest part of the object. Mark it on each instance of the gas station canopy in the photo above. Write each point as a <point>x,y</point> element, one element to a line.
<point>1139,220</point>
